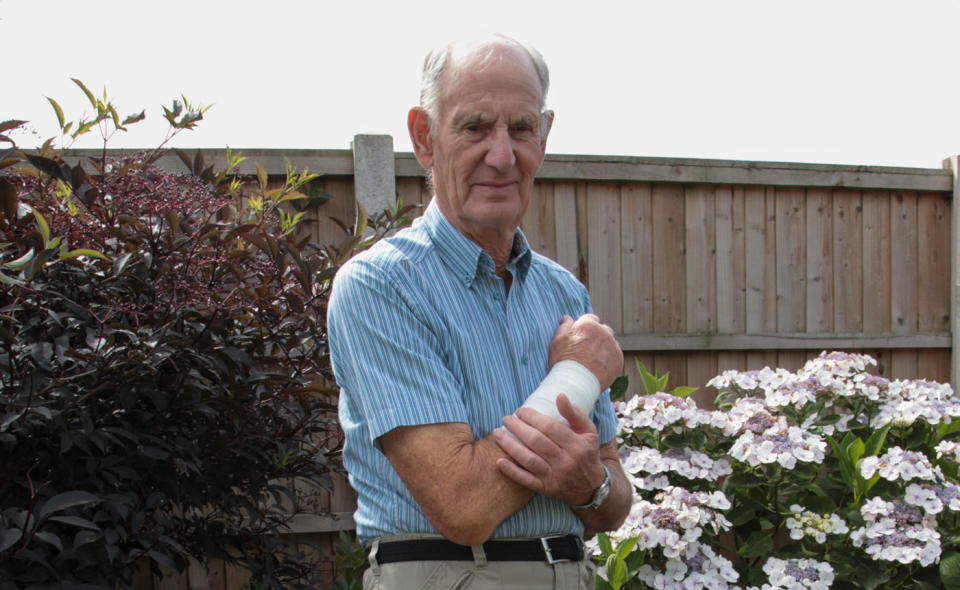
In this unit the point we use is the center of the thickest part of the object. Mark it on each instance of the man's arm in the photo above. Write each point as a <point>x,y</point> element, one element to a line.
<point>536,444</point>
<point>459,482</point>
<point>454,479</point>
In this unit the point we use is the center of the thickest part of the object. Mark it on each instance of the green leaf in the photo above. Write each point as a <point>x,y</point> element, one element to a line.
<point>682,390</point>
<point>8,538</point>
<point>10,124</point>
<point>856,450</point>
<point>625,546</point>
<point>44,227</point>
<point>603,539</point>
<point>135,118</point>
<point>19,262</point>
<point>758,544</point>
<point>745,480</point>
<point>876,440</point>
<point>76,521</point>
<point>261,176</point>
<point>619,387</point>
<point>57,110</point>
<point>360,223</point>
<point>8,280</point>
<point>93,101</point>
<point>82,252</point>
<point>947,428</point>
<point>950,570</point>
<point>64,501</point>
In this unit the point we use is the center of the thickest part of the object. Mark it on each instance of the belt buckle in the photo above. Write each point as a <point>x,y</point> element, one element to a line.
<point>545,541</point>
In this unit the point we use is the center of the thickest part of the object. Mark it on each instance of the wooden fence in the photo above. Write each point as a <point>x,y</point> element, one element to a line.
<point>702,265</point>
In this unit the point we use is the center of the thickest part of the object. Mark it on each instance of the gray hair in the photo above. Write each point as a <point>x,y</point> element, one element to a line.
<point>435,65</point>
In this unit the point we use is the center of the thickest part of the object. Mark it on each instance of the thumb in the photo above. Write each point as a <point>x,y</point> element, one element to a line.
<point>578,419</point>
<point>565,323</point>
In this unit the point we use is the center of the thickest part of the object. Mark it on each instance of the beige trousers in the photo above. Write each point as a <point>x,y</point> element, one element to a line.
<point>480,574</point>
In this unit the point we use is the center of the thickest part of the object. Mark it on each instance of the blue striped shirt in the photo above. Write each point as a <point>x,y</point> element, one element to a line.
<point>423,331</point>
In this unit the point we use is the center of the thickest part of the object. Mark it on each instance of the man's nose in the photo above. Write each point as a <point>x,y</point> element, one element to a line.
<point>500,154</point>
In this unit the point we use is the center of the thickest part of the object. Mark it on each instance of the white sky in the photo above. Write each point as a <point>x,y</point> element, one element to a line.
<point>841,81</point>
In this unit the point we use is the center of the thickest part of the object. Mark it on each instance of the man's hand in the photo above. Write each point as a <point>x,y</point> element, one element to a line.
<point>590,343</point>
<point>564,462</point>
<point>550,458</point>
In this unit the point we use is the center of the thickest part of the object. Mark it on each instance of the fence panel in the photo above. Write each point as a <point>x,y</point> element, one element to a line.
<point>702,266</point>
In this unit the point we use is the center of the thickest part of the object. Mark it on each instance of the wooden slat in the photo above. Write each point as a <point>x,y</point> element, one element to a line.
<point>539,219</point>
<point>636,257</point>
<point>744,173</point>
<point>701,367</point>
<point>608,168</point>
<point>701,263</point>
<point>904,277</point>
<point>565,222</point>
<point>819,263</point>
<point>731,261</point>
<point>791,263</point>
<point>782,341</point>
<point>603,258</point>
<point>669,274</point>
<point>876,262</point>
<point>761,261</point>
<point>848,261</point>
<point>582,233</point>
<point>933,250</point>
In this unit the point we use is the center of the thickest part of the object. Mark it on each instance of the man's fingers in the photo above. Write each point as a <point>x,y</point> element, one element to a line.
<point>578,419</point>
<point>517,449</point>
<point>522,477</point>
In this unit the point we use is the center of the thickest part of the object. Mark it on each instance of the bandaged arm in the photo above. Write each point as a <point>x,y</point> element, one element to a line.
<point>568,377</point>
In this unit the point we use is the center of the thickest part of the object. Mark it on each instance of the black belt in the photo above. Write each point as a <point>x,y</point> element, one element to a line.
<point>549,549</point>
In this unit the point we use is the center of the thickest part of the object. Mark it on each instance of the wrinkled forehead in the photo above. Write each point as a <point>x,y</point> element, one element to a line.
<point>487,57</point>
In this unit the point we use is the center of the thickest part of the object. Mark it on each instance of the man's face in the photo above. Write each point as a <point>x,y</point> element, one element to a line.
<point>488,146</point>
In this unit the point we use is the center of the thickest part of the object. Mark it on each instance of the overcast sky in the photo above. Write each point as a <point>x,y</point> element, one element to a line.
<point>845,82</point>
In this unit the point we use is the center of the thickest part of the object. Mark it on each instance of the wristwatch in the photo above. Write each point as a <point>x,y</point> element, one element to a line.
<point>599,495</point>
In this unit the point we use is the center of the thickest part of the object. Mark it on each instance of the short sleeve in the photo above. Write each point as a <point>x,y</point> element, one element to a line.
<point>386,353</point>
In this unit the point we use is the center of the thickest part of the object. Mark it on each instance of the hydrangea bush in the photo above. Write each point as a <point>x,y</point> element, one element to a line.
<point>828,477</point>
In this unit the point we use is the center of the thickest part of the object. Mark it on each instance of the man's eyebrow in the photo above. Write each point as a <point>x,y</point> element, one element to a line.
<point>470,118</point>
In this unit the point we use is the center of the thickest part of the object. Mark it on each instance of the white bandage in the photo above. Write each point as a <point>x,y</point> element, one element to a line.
<point>570,378</point>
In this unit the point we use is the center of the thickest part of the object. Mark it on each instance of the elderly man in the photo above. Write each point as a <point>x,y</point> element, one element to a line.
<point>445,337</point>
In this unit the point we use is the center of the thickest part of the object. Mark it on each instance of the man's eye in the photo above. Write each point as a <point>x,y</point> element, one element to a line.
<point>521,128</point>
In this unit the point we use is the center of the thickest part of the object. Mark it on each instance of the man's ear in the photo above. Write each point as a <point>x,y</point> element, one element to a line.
<point>547,122</point>
<point>419,126</point>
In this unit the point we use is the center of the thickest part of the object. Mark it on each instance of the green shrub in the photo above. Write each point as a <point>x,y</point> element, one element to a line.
<point>164,376</point>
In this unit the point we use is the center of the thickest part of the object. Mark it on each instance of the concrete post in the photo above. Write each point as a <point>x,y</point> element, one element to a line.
<point>374,175</point>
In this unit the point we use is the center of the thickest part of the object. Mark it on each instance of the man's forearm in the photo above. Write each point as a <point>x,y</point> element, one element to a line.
<point>454,479</point>
<point>614,510</point>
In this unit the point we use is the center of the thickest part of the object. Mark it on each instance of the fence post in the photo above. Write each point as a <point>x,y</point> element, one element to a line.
<point>374,175</point>
<point>953,164</point>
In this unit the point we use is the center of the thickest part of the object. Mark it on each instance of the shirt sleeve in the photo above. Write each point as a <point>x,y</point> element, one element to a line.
<point>386,357</point>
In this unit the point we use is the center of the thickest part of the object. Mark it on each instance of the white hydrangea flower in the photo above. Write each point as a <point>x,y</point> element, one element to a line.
<point>804,523</point>
<point>747,413</point>
<point>933,498</point>
<point>839,364</point>
<point>949,448</point>
<point>798,574</point>
<point>897,531</point>
<point>659,411</point>
<point>897,463</point>
<point>700,567</point>
<point>781,444</point>
<point>685,462</point>
<point>907,401</point>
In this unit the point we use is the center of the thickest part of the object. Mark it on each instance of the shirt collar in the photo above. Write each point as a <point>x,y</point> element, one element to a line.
<point>464,256</point>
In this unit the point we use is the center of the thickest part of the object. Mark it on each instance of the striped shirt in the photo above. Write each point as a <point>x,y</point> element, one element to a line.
<point>423,331</point>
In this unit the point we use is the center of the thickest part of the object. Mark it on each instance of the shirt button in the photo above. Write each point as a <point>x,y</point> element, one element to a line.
<point>524,359</point>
